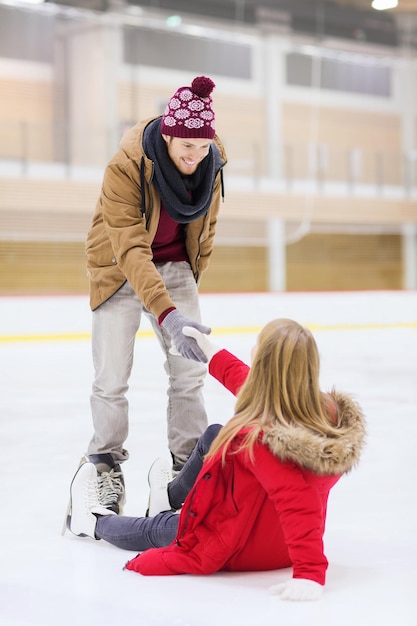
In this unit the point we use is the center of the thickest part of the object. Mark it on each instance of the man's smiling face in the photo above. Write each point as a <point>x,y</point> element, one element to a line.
<point>186,154</point>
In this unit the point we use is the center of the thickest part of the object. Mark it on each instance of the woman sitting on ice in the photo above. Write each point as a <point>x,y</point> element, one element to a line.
<point>253,495</point>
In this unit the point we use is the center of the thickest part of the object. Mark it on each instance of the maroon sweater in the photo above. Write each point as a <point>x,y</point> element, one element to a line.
<point>168,245</point>
<point>169,242</point>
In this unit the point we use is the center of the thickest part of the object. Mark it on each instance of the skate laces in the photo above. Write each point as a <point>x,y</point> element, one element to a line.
<point>110,487</point>
<point>91,495</point>
<point>163,477</point>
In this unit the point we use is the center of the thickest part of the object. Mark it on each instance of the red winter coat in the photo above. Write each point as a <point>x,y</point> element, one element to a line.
<point>264,515</point>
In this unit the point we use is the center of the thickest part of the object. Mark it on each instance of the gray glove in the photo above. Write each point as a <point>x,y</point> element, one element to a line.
<point>186,346</point>
<point>208,347</point>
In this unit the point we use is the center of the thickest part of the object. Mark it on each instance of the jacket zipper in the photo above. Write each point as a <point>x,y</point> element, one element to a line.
<point>197,259</point>
<point>146,212</point>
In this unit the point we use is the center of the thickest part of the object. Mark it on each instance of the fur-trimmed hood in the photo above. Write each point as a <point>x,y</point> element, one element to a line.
<point>322,455</point>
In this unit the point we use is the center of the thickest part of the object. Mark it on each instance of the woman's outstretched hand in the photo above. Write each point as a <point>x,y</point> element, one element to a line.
<point>207,347</point>
<point>300,589</point>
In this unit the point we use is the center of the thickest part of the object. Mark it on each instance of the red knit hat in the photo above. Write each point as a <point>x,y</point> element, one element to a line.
<point>189,113</point>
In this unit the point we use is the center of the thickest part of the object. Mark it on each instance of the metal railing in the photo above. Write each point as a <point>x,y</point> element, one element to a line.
<point>29,149</point>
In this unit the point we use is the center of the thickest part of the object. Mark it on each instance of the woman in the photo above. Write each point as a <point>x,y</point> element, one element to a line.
<point>260,499</point>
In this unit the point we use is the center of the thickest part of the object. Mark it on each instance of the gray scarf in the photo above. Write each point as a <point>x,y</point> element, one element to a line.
<point>185,198</point>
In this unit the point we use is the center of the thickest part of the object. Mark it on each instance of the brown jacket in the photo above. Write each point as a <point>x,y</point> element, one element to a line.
<point>119,242</point>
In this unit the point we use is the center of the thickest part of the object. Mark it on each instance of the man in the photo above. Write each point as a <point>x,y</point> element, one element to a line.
<point>150,241</point>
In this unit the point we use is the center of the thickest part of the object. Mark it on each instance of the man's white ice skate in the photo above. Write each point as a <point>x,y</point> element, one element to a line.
<point>85,502</point>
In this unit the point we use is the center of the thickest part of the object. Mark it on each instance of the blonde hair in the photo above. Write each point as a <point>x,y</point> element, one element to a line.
<point>282,387</point>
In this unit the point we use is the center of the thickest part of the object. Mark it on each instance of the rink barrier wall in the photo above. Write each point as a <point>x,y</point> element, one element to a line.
<point>350,243</point>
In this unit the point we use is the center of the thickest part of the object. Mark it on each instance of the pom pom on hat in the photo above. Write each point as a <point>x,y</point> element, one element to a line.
<point>202,86</point>
<point>189,113</point>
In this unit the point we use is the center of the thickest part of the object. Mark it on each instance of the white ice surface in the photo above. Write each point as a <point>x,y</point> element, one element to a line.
<point>368,346</point>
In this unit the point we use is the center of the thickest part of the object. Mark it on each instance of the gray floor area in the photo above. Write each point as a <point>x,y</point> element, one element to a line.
<point>368,346</point>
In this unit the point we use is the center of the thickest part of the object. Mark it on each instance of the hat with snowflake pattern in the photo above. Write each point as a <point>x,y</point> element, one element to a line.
<point>189,113</point>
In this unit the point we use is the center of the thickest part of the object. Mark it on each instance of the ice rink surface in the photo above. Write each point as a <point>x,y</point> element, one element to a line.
<point>368,347</point>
